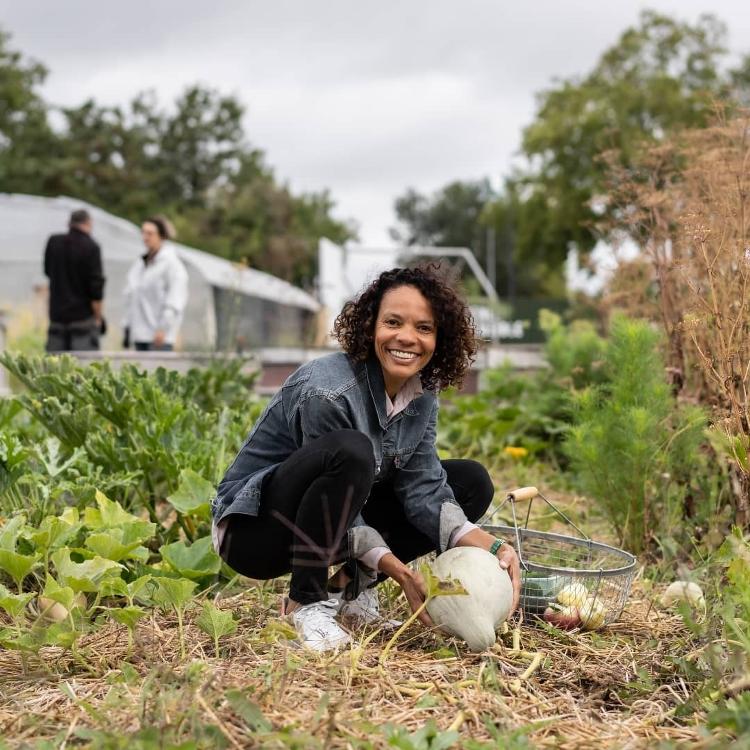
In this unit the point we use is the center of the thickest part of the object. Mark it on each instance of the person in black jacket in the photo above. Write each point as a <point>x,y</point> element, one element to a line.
<point>73,264</point>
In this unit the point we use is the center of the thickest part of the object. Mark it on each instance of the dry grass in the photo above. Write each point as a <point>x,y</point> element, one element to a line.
<point>619,688</point>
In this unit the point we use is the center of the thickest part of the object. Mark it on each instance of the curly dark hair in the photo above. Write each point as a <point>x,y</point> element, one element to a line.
<point>456,344</point>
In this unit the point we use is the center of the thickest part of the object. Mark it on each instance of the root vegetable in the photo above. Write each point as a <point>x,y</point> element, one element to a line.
<point>574,594</point>
<point>593,614</point>
<point>565,618</point>
<point>684,591</point>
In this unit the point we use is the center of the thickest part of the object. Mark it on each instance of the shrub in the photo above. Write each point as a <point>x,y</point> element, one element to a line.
<point>630,438</point>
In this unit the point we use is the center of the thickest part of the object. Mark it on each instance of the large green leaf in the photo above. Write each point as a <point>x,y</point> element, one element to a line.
<point>194,561</point>
<point>113,587</point>
<point>54,531</point>
<point>13,604</point>
<point>121,543</point>
<point>86,575</point>
<point>110,514</point>
<point>215,622</point>
<point>193,495</point>
<point>10,532</point>
<point>16,565</point>
<point>173,592</point>
<point>127,616</point>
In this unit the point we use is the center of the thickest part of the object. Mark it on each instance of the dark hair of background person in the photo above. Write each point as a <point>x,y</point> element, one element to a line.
<point>79,216</point>
<point>161,226</point>
<point>456,344</point>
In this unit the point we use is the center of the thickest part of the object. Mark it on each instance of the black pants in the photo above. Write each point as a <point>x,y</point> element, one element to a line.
<point>80,336</point>
<point>148,346</point>
<point>310,502</point>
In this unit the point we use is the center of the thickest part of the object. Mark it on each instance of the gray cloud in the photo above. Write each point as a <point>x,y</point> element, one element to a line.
<point>363,98</point>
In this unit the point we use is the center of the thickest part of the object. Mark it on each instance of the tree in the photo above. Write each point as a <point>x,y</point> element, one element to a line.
<point>25,135</point>
<point>193,163</point>
<point>449,217</point>
<point>200,145</point>
<point>660,76</point>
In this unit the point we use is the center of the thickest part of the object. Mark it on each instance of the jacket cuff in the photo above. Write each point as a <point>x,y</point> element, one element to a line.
<point>371,559</point>
<point>362,539</point>
<point>459,533</point>
<point>452,518</point>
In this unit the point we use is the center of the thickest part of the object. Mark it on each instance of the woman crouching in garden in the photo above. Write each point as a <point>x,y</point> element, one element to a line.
<point>342,466</point>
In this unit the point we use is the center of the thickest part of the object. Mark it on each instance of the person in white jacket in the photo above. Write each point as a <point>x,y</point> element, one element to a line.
<point>156,291</point>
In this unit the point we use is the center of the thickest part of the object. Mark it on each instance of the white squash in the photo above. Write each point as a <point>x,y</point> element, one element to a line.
<point>475,615</point>
<point>684,591</point>
<point>51,611</point>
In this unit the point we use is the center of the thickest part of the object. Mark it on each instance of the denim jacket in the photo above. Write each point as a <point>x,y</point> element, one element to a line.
<point>335,392</point>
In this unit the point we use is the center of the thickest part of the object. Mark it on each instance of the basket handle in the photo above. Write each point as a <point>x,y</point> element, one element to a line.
<point>523,493</point>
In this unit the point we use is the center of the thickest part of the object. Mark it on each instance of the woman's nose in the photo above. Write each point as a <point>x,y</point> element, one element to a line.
<point>407,334</point>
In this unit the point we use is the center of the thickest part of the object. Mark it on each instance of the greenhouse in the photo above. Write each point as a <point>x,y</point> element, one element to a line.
<point>230,307</point>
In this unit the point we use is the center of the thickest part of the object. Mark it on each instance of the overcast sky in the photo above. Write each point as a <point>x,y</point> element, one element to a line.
<point>363,98</point>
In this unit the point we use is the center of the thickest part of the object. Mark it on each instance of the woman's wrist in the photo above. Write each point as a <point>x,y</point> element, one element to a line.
<point>391,566</point>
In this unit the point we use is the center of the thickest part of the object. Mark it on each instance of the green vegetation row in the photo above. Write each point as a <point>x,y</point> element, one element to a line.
<point>106,478</point>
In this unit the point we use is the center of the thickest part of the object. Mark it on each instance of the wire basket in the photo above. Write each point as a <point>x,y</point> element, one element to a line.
<point>550,561</point>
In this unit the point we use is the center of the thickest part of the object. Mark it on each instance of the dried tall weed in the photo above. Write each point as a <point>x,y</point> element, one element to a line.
<point>687,205</point>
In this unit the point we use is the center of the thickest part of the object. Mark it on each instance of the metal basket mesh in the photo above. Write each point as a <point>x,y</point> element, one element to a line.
<point>551,561</point>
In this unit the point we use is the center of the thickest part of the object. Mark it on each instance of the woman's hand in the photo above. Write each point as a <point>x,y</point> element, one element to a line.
<point>508,558</point>
<point>415,591</point>
<point>506,555</point>
<point>411,582</point>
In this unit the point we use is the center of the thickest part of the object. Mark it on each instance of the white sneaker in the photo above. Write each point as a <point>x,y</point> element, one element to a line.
<point>317,627</point>
<point>365,608</point>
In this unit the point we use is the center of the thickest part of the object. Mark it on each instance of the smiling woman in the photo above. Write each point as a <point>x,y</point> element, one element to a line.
<point>342,466</point>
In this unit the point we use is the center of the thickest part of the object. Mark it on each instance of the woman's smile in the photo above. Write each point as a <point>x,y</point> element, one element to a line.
<point>405,335</point>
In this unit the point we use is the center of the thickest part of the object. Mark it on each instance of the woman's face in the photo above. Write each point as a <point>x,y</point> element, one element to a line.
<point>405,335</point>
<point>150,236</point>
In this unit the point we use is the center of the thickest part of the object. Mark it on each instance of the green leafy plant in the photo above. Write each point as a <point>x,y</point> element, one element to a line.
<point>630,435</point>
<point>174,594</point>
<point>216,623</point>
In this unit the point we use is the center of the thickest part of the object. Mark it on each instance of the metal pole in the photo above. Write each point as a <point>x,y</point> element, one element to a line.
<point>491,262</point>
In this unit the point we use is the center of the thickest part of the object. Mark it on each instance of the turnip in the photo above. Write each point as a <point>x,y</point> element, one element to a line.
<point>574,594</point>
<point>593,614</point>
<point>565,618</point>
<point>684,591</point>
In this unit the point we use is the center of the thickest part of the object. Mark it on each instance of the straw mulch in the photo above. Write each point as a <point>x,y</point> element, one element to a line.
<point>619,688</point>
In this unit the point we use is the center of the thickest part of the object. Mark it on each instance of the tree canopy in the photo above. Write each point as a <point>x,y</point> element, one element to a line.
<point>191,161</point>
<point>660,76</point>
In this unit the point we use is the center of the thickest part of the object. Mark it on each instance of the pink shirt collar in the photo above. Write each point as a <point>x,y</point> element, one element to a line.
<point>409,391</point>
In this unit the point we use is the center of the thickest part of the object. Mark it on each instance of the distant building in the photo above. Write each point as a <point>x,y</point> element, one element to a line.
<point>230,307</point>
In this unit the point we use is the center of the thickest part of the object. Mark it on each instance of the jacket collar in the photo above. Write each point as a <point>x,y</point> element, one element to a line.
<point>376,384</point>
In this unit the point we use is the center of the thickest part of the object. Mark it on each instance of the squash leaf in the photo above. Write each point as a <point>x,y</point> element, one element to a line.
<point>86,575</point>
<point>173,592</point>
<point>13,604</point>
<point>193,495</point>
<point>215,622</point>
<point>54,531</point>
<point>127,616</point>
<point>194,561</point>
